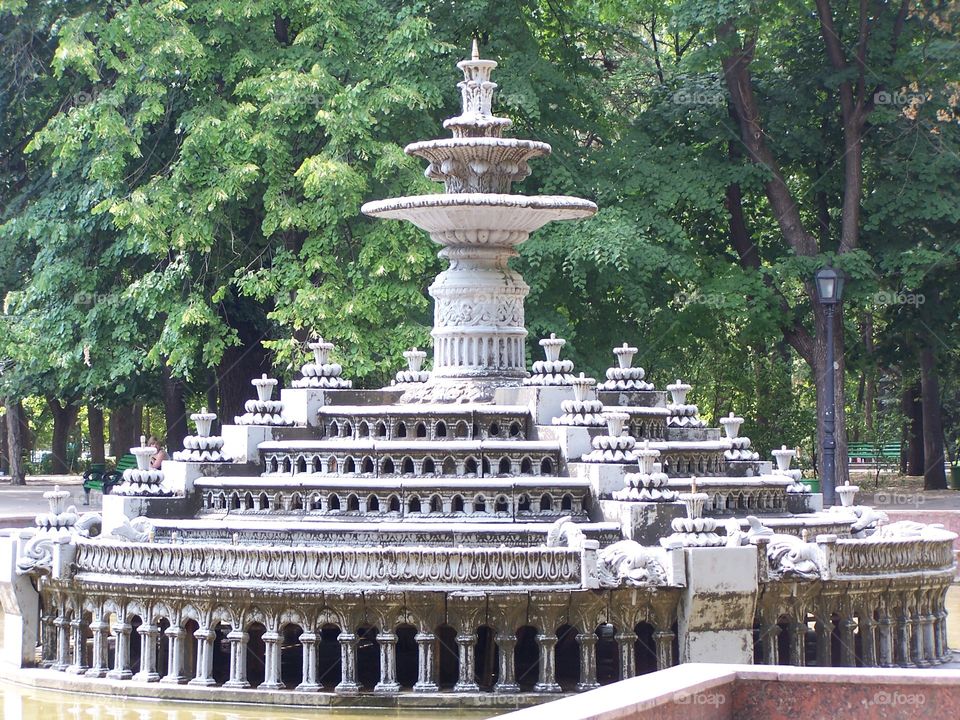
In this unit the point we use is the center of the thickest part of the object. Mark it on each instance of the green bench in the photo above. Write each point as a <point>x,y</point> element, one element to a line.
<point>99,478</point>
<point>874,453</point>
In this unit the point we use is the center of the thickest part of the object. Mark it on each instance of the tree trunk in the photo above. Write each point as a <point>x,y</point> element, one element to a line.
<point>95,428</point>
<point>175,410</point>
<point>4,456</point>
<point>64,416</point>
<point>122,430</point>
<point>934,473</point>
<point>912,411</point>
<point>15,418</point>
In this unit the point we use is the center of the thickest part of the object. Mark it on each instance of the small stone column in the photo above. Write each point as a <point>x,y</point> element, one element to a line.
<point>425,679</point>
<point>848,655</point>
<point>868,638</point>
<point>588,661</point>
<point>78,666</point>
<point>100,666</point>
<point>121,656</point>
<point>238,659</point>
<point>798,643</point>
<point>271,662</point>
<point>175,676</point>
<point>944,654</point>
<point>547,681</point>
<point>63,643</point>
<point>205,637</point>
<point>388,684</point>
<point>467,680</point>
<point>902,640</point>
<point>916,637</point>
<point>309,682</point>
<point>885,633</point>
<point>625,644</point>
<point>148,653</point>
<point>506,679</point>
<point>664,643</point>
<point>769,635</point>
<point>348,665</point>
<point>48,631</point>
<point>824,631</point>
<point>929,636</point>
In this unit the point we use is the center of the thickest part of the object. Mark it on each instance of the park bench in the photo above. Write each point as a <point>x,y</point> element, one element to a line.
<point>873,453</point>
<point>99,478</point>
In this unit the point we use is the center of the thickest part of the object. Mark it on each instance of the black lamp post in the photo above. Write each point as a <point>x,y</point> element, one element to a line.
<point>829,292</point>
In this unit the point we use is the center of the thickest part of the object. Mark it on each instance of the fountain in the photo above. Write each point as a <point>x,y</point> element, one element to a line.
<point>467,532</point>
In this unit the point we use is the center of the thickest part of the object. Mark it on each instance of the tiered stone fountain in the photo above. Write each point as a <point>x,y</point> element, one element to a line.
<point>467,533</point>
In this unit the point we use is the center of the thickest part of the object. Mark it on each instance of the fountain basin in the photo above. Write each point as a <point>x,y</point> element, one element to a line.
<point>510,218</point>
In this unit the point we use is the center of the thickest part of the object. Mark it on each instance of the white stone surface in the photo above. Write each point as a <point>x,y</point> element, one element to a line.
<point>21,607</point>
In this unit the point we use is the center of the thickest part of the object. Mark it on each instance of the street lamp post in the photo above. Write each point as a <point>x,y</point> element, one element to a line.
<point>829,291</point>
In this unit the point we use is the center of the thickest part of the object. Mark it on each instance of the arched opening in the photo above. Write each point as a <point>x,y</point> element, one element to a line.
<point>447,657</point>
<point>291,655</point>
<point>501,505</point>
<point>316,465</point>
<point>349,466</point>
<point>645,649</point>
<point>463,430</point>
<point>406,466</point>
<point>400,431</point>
<point>526,658</point>
<point>334,429</point>
<point>333,503</point>
<point>256,654</point>
<point>449,466</point>
<point>387,467</point>
<point>436,504</point>
<point>347,430</point>
<point>316,502</point>
<point>221,653</point>
<point>328,656</point>
<point>566,502</point>
<point>332,464</point>
<point>274,466</point>
<point>456,505</point>
<point>394,504</point>
<point>546,502</point>
<point>234,501</point>
<point>367,468</point>
<point>526,466</point>
<point>353,503</point>
<point>373,504</point>
<point>428,467</point>
<point>608,655</point>
<point>546,466</point>
<point>413,504</point>
<point>523,503</point>
<point>440,430</point>
<point>486,658</point>
<point>494,430</point>
<point>248,501</point>
<point>407,655</point>
<point>515,429</point>
<point>381,429</point>
<point>363,429</point>
<point>287,466</point>
<point>485,467</point>
<point>470,466</point>
<point>296,502</point>
<point>135,622</point>
<point>421,430</point>
<point>189,648</point>
<point>368,657</point>
<point>479,504</point>
<point>301,464</point>
<point>505,467</point>
<point>567,658</point>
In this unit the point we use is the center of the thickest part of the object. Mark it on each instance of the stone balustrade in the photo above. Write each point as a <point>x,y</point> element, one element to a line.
<point>425,422</point>
<point>848,558</point>
<point>399,567</point>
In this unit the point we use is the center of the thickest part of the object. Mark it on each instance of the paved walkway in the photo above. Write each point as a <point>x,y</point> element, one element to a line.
<point>20,503</point>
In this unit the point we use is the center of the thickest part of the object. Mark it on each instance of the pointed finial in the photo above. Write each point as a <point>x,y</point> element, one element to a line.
<point>475,52</point>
